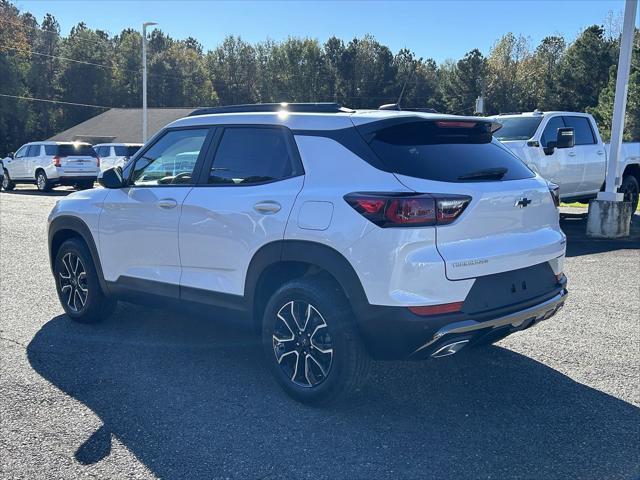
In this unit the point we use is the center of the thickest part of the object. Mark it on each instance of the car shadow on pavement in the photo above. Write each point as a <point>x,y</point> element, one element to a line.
<point>575,226</point>
<point>38,193</point>
<point>192,398</point>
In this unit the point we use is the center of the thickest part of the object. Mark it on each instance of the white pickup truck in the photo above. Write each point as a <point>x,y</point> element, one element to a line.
<point>577,166</point>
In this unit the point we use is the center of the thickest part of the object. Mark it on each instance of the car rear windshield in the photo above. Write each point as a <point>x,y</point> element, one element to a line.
<point>517,128</point>
<point>70,150</point>
<point>123,151</point>
<point>446,151</point>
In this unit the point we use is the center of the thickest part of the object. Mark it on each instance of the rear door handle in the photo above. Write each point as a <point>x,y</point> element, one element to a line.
<point>267,208</point>
<point>600,152</point>
<point>572,154</point>
<point>167,203</point>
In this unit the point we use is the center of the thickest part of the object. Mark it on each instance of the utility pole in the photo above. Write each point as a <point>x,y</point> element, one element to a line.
<point>144,79</point>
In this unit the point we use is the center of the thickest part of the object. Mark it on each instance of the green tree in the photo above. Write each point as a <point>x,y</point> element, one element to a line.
<point>603,111</point>
<point>584,70</point>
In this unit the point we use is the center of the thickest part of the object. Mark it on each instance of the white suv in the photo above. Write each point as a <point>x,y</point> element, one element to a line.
<point>115,154</point>
<point>341,235</point>
<point>47,164</point>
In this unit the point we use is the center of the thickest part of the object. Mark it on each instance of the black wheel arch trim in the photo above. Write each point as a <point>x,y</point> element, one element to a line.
<point>316,254</point>
<point>81,229</point>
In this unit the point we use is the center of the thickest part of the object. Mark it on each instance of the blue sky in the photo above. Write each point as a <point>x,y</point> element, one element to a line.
<point>436,29</point>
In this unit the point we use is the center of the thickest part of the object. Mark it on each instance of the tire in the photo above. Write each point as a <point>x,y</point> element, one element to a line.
<point>86,185</point>
<point>335,363</point>
<point>78,285</point>
<point>631,189</point>
<point>7,183</point>
<point>42,182</point>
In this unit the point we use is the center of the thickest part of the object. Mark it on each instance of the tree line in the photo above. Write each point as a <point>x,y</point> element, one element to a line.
<point>92,67</point>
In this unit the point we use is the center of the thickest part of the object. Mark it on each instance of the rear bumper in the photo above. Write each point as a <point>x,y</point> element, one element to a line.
<point>394,333</point>
<point>70,180</point>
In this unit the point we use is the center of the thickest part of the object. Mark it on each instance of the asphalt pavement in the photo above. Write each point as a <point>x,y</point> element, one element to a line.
<point>161,394</point>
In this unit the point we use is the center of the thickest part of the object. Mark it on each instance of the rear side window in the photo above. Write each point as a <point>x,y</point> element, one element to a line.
<point>446,151</point>
<point>582,128</point>
<point>102,151</point>
<point>34,151</point>
<point>73,150</point>
<point>249,155</point>
<point>50,149</point>
<point>124,151</point>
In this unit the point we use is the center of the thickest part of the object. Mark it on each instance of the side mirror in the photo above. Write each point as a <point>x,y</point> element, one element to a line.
<point>550,148</point>
<point>566,138</point>
<point>111,178</point>
<point>11,154</point>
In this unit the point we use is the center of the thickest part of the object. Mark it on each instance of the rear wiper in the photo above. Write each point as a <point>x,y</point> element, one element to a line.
<point>487,174</point>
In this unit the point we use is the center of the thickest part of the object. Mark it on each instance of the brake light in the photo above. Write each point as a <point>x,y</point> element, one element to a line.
<point>455,124</point>
<point>56,161</point>
<point>408,210</point>
<point>437,309</point>
<point>97,161</point>
<point>554,190</point>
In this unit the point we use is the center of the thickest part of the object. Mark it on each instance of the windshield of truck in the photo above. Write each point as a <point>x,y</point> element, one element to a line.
<point>517,128</point>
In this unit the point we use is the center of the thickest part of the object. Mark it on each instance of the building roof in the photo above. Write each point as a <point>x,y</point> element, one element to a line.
<point>121,125</point>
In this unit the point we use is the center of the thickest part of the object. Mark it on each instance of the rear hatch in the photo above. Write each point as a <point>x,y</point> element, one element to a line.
<point>510,222</point>
<point>76,158</point>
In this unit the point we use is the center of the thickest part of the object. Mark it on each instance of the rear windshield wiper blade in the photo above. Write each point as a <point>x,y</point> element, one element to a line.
<point>487,174</point>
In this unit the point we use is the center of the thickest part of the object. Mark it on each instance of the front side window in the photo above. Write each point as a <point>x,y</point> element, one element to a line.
<point>250,155</point>
<point>582,130</point>
<point>550,133</point>
<point>171,160</point>
<point>22,152</point>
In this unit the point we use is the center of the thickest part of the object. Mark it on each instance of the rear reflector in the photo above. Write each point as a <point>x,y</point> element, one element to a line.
<point>97,161</point>
<point>408,210</point>
<point>437,309</point>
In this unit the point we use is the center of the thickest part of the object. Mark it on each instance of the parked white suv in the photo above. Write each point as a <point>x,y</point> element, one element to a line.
<point>115,154</point>
<point>47,164</point>
<point>341,235</point>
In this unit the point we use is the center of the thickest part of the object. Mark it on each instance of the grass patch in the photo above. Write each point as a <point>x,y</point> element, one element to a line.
<point>585,205</point>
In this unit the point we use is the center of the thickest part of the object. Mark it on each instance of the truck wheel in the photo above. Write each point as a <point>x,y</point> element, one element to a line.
<point>631,190</point>
<point>311,343</point>
<point>7,183</point>
<point>78,285</point>
<point>42,182</point>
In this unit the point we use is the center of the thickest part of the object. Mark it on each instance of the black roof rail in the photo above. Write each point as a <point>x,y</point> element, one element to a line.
<point>397,107</point>
<point>510,113</point>
<point>321,107</point>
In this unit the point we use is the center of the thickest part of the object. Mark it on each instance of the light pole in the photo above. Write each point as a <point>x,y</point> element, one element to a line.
<point>144,79</point>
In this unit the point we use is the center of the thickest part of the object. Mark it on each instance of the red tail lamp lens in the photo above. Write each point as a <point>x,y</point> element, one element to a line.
<point>408,210</point>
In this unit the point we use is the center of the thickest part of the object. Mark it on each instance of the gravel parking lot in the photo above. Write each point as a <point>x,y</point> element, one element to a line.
<point>154,393</point>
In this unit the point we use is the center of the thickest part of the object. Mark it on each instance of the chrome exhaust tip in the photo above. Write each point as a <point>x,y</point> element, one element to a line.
<point>449,349</point>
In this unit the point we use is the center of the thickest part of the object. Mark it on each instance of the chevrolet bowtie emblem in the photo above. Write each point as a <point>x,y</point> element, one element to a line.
<point>523,202</point>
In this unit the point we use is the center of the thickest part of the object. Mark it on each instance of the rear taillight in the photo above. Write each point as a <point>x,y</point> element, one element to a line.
<point>97,161</point>
<point>56,161</point>
<point>408,210</point>
<point>554,190</point>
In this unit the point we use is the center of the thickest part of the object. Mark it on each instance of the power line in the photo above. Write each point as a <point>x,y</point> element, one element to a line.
<point>19,97</point>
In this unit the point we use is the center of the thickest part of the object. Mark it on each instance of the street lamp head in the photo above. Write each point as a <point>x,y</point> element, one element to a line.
<point>148,24</point>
